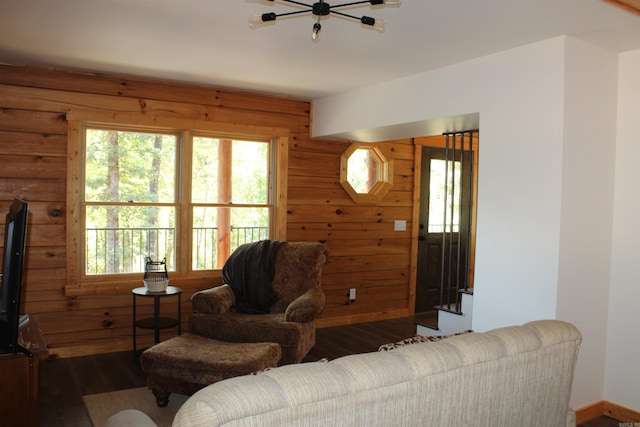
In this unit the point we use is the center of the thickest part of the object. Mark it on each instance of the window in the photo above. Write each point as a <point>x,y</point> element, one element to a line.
<point>130,200</point>
<point>230,197</point>
<point>445,183</point>
<point>189,197</point>
<point>362,170</point>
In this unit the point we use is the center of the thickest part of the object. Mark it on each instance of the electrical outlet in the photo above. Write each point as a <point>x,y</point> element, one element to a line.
<point>352,293</point>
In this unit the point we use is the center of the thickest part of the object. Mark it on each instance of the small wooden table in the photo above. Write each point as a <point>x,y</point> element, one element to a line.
<point>156,322</point>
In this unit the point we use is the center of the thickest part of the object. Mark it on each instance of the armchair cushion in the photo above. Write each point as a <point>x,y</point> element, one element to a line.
<point>243,327</point>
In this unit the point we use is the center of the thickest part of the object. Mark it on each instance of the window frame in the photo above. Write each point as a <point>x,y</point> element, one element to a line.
<point>383,172</point>
<point>78,282</point>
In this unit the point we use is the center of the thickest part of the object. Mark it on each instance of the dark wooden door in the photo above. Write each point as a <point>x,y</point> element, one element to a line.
<point>443,232</point>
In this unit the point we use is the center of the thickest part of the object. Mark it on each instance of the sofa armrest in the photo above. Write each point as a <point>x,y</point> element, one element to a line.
<point>128,418</point>
<point>213,301</point>
<point>306,307</point>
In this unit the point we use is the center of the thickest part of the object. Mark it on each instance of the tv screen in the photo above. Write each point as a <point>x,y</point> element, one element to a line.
<point>15,230</point>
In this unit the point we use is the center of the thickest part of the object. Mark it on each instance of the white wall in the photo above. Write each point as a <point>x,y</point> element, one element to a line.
<point>519,95</point>
<point>622,383</point>
<point>588,152</point>
<point>532,241</point>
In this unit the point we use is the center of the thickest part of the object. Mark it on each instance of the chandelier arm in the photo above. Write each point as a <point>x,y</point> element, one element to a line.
<point>345,15</point>
<point>353,3</point>
<point>299,3</point>
<point>293,13</point>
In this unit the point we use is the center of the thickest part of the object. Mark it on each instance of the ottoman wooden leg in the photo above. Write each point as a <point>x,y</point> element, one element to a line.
<point>162,397</point>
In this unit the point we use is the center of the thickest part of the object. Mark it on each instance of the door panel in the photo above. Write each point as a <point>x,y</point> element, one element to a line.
<point>443,237</point>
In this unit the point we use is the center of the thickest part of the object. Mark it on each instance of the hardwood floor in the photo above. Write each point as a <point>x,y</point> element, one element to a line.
<point>339,341</point>
<point>63,382</point>
<point>602,422</point>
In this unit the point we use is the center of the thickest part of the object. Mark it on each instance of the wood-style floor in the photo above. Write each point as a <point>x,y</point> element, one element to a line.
<point>63,382</point>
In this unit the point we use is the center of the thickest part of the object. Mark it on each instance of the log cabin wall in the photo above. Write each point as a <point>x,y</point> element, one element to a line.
<point>365,252</point>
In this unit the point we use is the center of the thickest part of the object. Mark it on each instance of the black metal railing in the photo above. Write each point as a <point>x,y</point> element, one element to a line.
<point>456,232</point>
<point>124,250</point>
<point>205,243</point>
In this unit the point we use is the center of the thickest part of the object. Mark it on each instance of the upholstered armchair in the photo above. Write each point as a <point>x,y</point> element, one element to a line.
<point>290,321</point>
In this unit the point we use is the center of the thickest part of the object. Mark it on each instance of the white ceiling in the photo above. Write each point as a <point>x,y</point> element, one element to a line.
<point>209,41</point>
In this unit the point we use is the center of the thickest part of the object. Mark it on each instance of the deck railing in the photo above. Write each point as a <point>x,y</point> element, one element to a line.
<point>124,250</point>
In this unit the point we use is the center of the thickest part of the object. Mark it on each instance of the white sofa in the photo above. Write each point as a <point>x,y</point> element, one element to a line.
<point>514,376</point>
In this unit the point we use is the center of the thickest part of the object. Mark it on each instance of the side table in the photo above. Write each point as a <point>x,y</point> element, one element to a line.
<point>156,322</point>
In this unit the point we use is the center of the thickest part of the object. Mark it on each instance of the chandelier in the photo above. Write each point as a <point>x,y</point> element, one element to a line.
<point>322,8</point>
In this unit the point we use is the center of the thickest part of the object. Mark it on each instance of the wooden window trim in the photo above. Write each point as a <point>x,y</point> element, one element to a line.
<point>79,284</point>
<point>384,174</point>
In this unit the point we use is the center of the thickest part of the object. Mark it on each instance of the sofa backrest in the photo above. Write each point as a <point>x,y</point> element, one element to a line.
<point>514,376</point>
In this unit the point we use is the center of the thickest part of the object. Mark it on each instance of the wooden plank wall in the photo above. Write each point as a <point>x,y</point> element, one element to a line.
<point>365,252</point>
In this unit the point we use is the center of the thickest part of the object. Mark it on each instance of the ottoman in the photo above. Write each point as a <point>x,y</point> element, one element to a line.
<point>188,362</point>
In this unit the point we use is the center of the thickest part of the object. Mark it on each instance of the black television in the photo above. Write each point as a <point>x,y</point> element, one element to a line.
<point>15,231</point>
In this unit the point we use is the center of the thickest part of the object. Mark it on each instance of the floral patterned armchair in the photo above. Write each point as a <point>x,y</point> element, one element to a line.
<point>290,321</point>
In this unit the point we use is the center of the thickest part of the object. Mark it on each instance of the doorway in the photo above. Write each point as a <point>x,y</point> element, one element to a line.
<point>446,223</point>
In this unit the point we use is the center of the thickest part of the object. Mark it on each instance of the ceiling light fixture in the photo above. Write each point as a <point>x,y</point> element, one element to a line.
<point>322,8</point>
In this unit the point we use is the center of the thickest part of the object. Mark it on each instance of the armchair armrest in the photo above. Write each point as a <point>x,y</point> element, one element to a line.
<point>213,301</point>
<point>306,307</point>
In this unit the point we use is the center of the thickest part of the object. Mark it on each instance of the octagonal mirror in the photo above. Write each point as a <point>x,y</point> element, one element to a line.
<point>366,172</point>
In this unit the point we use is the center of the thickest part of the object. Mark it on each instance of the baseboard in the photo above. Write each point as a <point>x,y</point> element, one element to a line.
<point>598,409</point>
<point>361,318</point>
<point>621,413</point>
<point>104,346</point>
<point>589,413</point>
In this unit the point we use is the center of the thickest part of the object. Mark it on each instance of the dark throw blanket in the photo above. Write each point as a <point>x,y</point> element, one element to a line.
<point>249,272</point>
